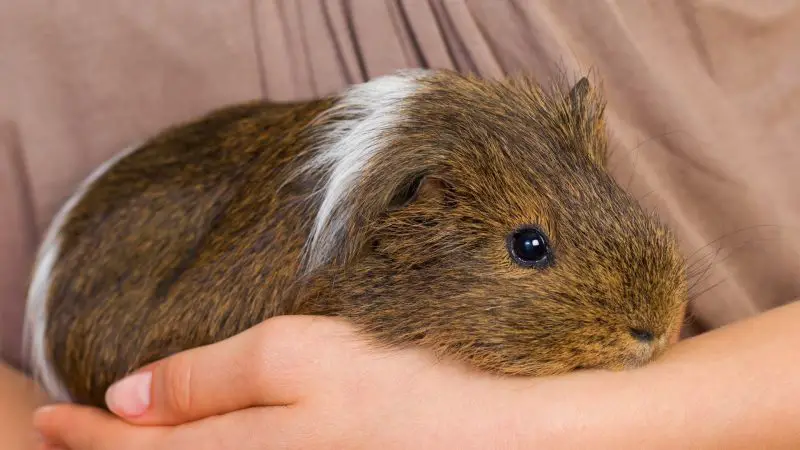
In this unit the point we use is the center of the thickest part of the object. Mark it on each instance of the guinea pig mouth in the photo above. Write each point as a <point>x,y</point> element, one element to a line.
<point>628,358</point>
<point>627,363</point>
<point>610,367</point>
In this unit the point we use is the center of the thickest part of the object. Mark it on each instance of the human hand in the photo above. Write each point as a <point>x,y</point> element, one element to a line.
<point>291,382</point>
<point>301,382</point>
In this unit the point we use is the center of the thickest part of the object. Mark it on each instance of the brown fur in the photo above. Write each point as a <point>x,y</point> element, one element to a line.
<point>197,236</point>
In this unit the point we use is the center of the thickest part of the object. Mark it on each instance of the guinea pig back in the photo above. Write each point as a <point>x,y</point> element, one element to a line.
<point>473,217</point>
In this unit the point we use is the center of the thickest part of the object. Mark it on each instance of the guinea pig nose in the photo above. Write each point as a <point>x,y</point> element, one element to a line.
<point>642,335</point>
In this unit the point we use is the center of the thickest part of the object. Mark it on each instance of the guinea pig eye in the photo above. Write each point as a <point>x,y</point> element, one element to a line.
<point>529,248</point>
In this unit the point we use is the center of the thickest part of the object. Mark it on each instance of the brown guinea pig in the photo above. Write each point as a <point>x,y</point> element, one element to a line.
<point>469,216</point>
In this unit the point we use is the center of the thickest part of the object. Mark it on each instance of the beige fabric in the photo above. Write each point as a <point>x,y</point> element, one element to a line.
<point>704,100</point>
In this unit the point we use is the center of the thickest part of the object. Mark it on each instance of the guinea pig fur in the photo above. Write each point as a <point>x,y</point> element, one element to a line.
<point>472,217</point>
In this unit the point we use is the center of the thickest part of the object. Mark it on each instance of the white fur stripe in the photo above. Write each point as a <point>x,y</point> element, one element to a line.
<point>370,109</point>
<point>39,290</point>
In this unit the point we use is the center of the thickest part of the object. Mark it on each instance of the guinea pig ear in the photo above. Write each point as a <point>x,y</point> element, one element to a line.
<point>413,211</point>
<point>588,111</point>
<point>579,92</point>
<point>420,188</point>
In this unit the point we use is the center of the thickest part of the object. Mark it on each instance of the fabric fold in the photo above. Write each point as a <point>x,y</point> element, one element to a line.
<point>703,104</point>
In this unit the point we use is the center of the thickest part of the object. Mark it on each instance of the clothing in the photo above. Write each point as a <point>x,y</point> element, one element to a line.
<point>703,96</point>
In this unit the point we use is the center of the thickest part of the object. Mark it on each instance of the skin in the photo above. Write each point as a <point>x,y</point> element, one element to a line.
<point>20,397</point>
<point>312,383</point>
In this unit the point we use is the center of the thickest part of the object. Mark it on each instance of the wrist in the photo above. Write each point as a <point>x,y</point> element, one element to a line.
<point>572,410</point>
<point>494,415</point>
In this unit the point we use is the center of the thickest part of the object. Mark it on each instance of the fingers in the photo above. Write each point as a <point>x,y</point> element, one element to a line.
<point>82,428</point>
<point>266,365</point>
<point>270,428</point>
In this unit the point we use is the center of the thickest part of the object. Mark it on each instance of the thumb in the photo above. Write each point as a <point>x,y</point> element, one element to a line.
<point>263,366</point>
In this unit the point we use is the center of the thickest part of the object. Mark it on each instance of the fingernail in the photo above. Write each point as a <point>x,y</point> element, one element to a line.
<point>130,396</point>
<point>42,410</point>
<point>39,413</point>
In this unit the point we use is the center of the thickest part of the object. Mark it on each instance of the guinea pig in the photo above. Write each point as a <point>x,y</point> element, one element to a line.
<point>472,217</point>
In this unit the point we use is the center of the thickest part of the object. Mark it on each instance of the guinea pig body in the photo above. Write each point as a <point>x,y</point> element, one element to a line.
<point>469,216</point>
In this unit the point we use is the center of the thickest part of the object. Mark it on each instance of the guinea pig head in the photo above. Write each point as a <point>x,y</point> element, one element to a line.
<point>475,217</point>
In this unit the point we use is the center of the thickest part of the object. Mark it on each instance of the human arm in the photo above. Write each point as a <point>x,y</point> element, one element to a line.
<point>735,387</point>
<point>19,396</point>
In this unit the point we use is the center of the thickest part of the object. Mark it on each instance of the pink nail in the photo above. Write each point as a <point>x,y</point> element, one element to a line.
<point>130,397</point>
<point>42,410</point>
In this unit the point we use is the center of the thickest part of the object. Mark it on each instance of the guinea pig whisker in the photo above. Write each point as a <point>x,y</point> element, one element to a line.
<point>698,269</point>
<point>695,296</point>
<point>645,195</point>
<point>636,150</point>
<point>689,318</point>
<point>733,234</point>
<point>702,274</point>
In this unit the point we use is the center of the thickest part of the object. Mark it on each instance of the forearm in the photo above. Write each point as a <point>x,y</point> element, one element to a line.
<point>736,387</point>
